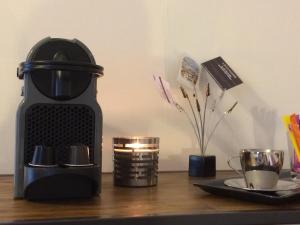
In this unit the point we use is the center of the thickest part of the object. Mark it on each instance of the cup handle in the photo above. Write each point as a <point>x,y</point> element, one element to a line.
<point>229,164</point>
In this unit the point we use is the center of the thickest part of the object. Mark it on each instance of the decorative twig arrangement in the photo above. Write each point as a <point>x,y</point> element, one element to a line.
<point>198,122</point>
<point>200,129</point>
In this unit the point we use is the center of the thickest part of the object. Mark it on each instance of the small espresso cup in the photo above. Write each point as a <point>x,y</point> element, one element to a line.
<point>260,167</point>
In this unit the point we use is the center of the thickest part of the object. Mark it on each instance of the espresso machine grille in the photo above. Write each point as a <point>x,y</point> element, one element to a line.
<point>58,125</point>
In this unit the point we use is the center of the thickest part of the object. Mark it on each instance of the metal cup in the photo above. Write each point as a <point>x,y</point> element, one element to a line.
<point>43,156</point>
<point>78,155</point>
<point>260,167</point>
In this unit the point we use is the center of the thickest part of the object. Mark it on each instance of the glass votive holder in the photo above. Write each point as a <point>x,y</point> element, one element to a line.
<point>135,161</point>
<point>294,162</point>
<point>295,166</point>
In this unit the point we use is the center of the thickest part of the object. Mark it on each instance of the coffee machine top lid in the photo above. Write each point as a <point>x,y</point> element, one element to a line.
<point>53,53</point>
<point>60,68</point>
<point>47,49</point>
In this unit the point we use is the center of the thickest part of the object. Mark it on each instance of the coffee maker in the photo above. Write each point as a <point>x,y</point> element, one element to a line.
<point>59,123</point>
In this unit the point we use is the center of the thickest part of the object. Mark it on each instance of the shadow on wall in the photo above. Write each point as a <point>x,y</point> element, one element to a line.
<point>264,126</point>
<point>8,136</point>
<point>107,149</point>
<point>176,162</point>
<point>264,118</point>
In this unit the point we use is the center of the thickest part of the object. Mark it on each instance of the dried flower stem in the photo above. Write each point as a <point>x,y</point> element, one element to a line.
<point>215,105</point>
<point>217,124</point>
<point>204,115</point>
<point>199,124</point>
<point>200,117</point>
<point>185,95</point>
<point>213,131</point>
<point>181,109</point>
<point>196,122</point>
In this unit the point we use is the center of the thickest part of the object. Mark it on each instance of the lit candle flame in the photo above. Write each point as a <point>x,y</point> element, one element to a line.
<point>135,145</point>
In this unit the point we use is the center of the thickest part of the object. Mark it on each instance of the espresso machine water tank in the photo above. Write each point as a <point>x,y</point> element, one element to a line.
<point>59,123</point>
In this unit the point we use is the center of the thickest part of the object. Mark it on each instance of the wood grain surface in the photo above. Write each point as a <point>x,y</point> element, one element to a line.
<point>174,195</point>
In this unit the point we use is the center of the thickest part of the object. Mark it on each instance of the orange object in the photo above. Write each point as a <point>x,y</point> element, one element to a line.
<point>295,129</point>
<point>287,123</point>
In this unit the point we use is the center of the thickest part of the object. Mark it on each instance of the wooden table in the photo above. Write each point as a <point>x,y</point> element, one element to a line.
<point>174,201</point>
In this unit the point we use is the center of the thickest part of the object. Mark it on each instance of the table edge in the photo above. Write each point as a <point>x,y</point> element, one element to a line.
<point>210,218</point>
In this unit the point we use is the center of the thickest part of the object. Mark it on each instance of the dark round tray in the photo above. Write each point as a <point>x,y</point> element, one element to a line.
<point>218,187</point>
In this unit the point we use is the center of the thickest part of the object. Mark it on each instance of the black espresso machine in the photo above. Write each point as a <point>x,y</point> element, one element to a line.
<point>59,123</point>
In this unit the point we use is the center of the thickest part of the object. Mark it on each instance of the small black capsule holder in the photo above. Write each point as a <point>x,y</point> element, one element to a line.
<point>59,109</point>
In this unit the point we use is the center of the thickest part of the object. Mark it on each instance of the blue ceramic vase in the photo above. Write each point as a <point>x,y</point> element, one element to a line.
<point>202,166</point>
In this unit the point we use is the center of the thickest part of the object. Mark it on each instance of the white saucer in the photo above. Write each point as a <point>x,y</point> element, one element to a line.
<point>282,185</point>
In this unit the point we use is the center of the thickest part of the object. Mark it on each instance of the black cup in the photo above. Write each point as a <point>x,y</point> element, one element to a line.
<point>78,155</point>
<point>43,156</point>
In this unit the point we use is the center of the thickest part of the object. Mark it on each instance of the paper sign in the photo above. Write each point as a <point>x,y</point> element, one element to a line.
<point>221,72</point>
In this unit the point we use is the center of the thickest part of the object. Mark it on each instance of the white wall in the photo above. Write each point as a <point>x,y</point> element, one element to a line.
<point>133,39</point>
